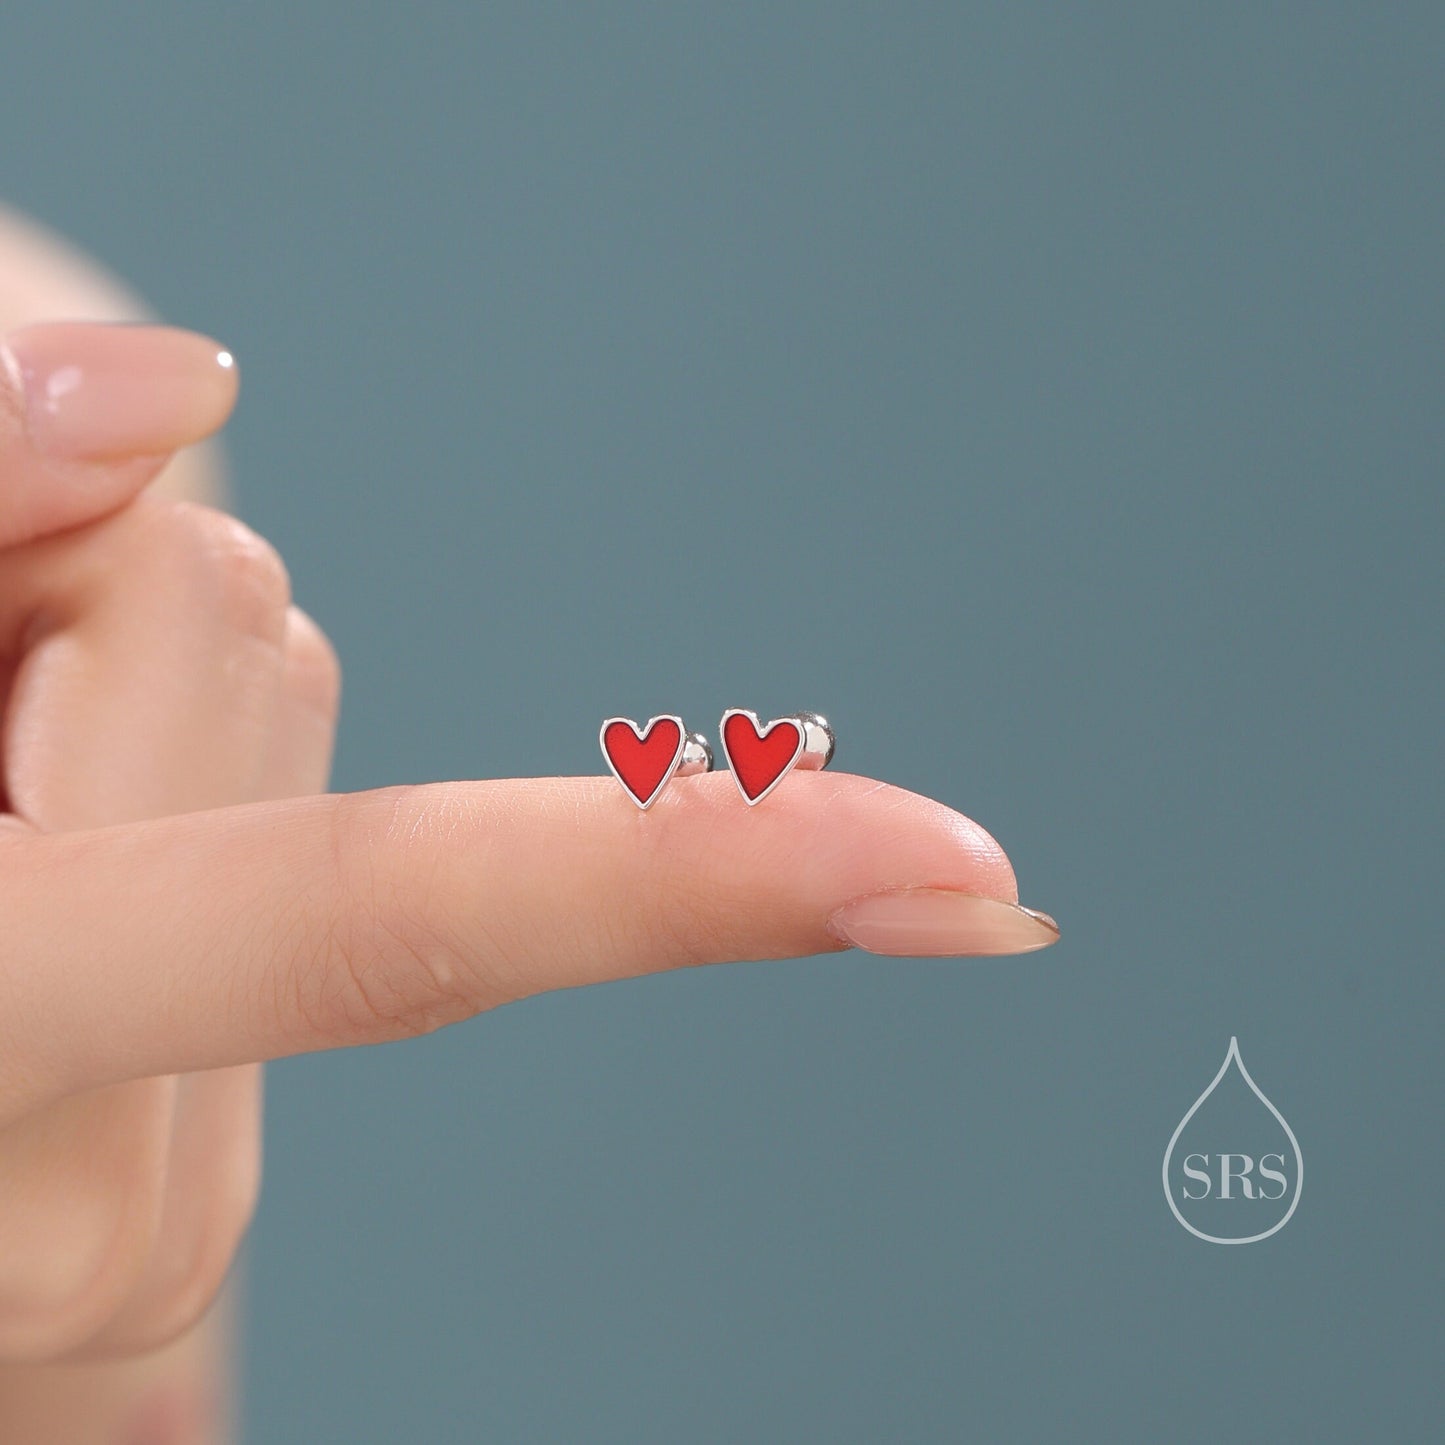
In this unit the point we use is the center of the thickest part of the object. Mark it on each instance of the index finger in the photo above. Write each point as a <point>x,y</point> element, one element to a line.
<point>246,933</point>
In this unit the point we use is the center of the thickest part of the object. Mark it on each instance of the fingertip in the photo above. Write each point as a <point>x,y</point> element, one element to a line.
<point>703,877</point>
<point>845,831</point>
<point>847,861</point>
<point>111,391</point>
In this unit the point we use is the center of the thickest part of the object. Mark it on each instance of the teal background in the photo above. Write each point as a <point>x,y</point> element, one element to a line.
<point>1052,396</point>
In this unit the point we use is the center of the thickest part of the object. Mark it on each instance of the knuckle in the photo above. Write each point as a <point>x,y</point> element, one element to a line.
<point>387,966</point>
<point>253,582</point>
<point>313,669</point>
<point>672,922</point>
<point>53,1300</point>
<point>242,575</point>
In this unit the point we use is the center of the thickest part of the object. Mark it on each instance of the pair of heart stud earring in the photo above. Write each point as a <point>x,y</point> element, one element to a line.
<point>645,759</point>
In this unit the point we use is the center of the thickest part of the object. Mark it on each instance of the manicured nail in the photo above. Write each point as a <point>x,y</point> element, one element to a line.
<point>95,391</point>
<point>937,921</point>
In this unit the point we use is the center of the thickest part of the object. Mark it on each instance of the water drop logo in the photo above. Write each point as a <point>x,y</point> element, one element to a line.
<point>1233,1170</point>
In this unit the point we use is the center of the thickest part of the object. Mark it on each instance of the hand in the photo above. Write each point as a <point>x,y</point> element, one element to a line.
<point>152,663</point>
<point>171,907</point>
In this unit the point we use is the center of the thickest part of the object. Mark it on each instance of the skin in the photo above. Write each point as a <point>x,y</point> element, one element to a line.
<point>178,1392</point>
<point>169,728</point>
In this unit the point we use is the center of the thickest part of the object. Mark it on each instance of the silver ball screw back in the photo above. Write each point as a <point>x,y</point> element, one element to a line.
<point>696,756</point>
<point>819,743</point>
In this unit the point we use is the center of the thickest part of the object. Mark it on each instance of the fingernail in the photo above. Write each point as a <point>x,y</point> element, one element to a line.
<point>97,391</point>
<point>937,921</point>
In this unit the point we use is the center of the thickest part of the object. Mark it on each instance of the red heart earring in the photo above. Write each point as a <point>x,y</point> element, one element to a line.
<point>761,757</point>
<point>644,759</point>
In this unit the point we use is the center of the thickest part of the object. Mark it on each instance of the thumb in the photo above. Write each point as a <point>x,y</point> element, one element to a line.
<point>90,411</point>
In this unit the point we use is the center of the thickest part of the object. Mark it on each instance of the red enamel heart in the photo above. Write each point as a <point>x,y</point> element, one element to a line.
<point>759,758</point>
<point>642,761</point>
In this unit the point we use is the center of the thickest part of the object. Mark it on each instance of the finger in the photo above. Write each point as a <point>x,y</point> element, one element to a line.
<point>365,917</point>
<point>298,761</point>
<point>212,1182</point>
<point>150,671</point>
<point>150,648</point>
<point>91,411</point>
<point>213,1174</point>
